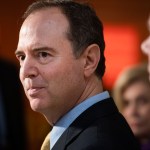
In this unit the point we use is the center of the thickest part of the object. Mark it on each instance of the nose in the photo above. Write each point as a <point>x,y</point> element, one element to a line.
<point>145,46</point>
<point>28,68</point>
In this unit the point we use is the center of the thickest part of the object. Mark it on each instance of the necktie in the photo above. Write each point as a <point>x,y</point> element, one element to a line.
<point>46,143</point>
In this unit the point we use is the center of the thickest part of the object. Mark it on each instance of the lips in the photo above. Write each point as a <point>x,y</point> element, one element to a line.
<point>34,91</point>
<point>135,124</point>
<point>34,87</point>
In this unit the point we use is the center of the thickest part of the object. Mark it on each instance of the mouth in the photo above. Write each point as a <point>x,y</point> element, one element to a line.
<point>34,91</point>
<point>135,125</point>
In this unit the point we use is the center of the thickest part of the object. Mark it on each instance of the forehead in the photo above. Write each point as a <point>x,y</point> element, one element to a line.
<point>140,86</point>
<point>52,17</point>
<point>43,24</point>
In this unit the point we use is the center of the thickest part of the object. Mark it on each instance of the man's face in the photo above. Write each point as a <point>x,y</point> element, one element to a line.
<point>146,46</point>
<point>53,79</point>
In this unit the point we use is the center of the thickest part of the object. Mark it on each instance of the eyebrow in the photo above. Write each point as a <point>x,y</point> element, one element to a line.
<point>17,52</point>
<point>35,49</point>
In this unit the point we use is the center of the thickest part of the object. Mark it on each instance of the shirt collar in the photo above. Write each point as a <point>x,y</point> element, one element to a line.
<point>69,117</point>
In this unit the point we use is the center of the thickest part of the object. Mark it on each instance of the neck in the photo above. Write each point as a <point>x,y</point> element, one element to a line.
<point>93,87</point>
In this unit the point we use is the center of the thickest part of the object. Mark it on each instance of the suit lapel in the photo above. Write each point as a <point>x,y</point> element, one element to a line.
<point>97,111</point>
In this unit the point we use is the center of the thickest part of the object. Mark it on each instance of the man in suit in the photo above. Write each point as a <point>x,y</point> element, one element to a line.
<point>12,125</point>
<point>61,54</point>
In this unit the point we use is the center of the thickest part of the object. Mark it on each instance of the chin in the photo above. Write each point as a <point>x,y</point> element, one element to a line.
<point>36,105</point>
<point>36,108</point>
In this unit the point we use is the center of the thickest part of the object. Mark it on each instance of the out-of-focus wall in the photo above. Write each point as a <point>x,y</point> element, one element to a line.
<point>134,12</point>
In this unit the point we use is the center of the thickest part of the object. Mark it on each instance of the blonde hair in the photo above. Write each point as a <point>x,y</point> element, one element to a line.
<point>127,77</point>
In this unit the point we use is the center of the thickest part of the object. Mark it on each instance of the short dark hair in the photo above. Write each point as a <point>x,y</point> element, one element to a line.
<point>85,27</point>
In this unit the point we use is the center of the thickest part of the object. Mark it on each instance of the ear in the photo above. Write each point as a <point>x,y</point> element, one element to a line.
<point>92,57</point>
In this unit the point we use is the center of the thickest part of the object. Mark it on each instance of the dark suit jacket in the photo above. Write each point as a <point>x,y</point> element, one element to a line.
<point>13,106</point>
<point>101,127</point>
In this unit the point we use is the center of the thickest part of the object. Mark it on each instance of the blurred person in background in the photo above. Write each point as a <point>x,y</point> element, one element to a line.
<point>145,46</point>
<point>131,93</point>
<point>12,123</point>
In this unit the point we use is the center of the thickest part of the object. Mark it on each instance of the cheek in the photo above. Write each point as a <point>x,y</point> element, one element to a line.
<point>20,76</point>
<point>22,80</point>
<point>126,114</point>
<point>65,76</point>
<point>63,70</point>
<point>145,111</point>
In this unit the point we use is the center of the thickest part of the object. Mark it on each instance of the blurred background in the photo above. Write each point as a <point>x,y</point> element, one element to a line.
<point>125,27</point>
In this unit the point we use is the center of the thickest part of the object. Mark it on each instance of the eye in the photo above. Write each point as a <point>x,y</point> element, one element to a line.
<point>125,103</point>
<point>143,100</point>
<point>20,57</point>
<point>43,54</point>
<point>44,57</point>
